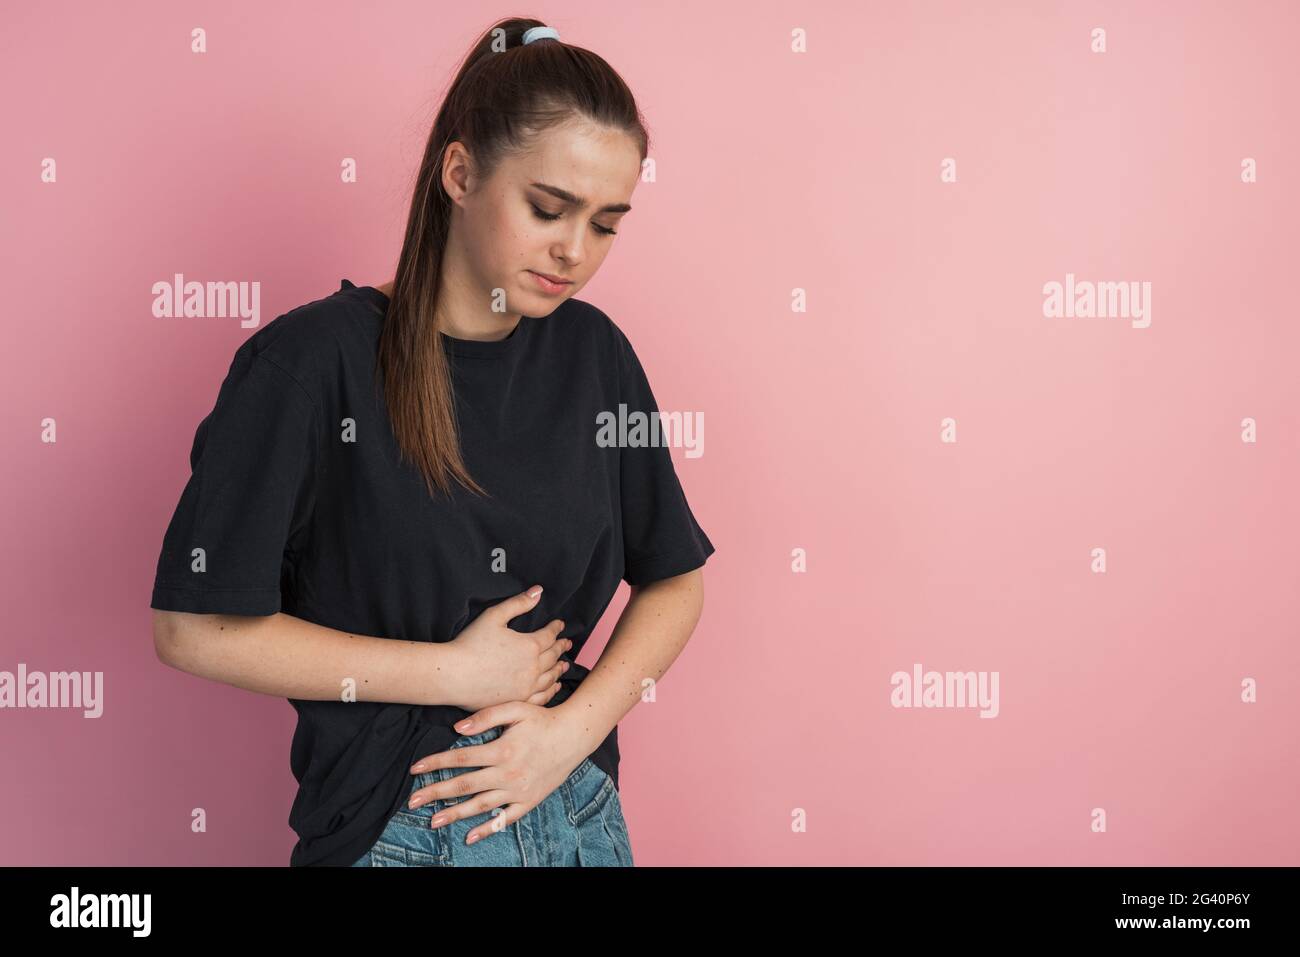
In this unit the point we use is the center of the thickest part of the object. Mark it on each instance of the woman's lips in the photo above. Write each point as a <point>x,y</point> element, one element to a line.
<point>549,285</point>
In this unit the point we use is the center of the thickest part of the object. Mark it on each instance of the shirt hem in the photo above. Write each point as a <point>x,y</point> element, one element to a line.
<point>216,601</point>
<point>667,566</point>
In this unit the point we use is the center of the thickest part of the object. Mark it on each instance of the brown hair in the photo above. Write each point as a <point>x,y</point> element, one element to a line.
<point>504,94</point>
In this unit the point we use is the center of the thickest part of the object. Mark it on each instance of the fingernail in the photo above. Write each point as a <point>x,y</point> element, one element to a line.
<point>472,839</point>
<point>418,768</point>
<point>414,803</point>
<point>534,591</point>
<point>463,726</point>
<point>438,821</point>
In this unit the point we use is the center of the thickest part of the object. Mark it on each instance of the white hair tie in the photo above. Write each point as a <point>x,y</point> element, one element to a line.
<point>541,33</point>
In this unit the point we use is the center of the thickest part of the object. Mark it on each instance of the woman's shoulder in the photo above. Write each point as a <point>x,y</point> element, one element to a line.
<point>583,323</point>
<point>307,342</point>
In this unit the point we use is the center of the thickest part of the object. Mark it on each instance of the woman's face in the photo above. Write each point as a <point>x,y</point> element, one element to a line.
<point>553,210</point>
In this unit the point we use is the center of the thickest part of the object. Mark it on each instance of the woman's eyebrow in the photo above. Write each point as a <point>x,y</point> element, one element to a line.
<point>572,200</point>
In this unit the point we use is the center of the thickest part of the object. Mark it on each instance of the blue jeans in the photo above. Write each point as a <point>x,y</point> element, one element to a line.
<point>579,824</point>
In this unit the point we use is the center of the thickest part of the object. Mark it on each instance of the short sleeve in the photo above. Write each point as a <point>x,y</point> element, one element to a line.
<point>249,497</point>
<point>661,537</point>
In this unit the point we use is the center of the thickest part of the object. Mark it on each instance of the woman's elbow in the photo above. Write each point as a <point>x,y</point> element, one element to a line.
<point>167,638</point>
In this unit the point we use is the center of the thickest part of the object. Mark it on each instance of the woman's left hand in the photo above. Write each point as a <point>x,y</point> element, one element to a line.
<point>517,770</point>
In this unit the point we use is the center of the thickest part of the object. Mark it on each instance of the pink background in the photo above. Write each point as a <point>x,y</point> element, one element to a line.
<point>775,171</point>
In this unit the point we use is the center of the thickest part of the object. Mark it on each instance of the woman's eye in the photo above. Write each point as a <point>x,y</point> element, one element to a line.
<point>551,217</point>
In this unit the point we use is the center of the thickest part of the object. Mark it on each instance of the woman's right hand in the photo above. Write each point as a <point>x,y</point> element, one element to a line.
<point>497,664</point>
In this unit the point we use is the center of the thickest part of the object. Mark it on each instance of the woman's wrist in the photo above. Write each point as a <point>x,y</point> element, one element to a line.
<point>585,733</point>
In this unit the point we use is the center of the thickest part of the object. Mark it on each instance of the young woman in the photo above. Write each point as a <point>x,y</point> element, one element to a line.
<point>408,506</point>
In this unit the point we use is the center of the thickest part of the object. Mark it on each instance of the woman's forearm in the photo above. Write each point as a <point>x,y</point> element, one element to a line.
<point>652,631</point>
<point>290,657</point>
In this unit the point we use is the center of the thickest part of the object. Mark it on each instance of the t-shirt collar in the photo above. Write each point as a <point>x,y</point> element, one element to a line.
<point>477,348</point>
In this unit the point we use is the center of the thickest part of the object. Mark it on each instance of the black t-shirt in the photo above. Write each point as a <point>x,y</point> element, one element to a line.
<point>300,504</point>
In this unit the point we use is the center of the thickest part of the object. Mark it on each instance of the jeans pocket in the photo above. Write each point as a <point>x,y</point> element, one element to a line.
<point>406,844</point>
<point>408,839</point>
<point>614,815</point>
<point>403,852</point>
<point>594,809</point>
<point>586,791</point>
